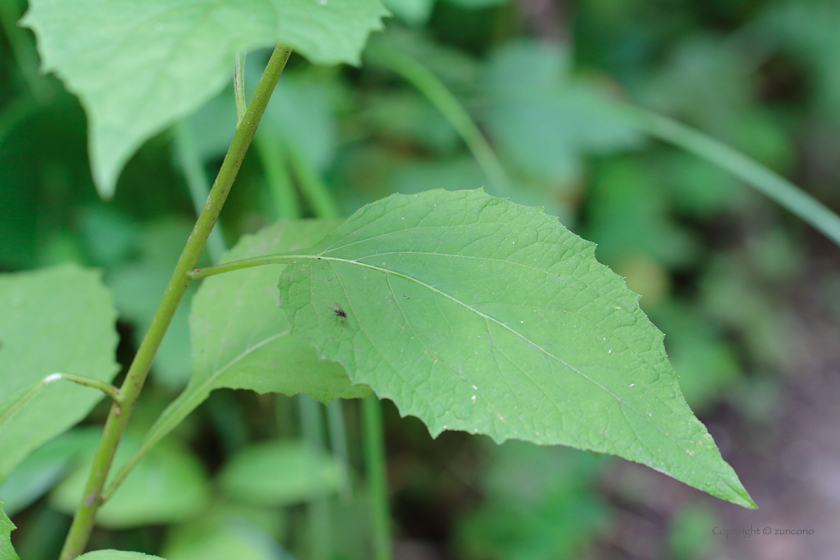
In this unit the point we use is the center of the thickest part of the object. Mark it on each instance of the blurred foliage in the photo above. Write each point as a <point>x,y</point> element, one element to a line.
<point>713,261</point>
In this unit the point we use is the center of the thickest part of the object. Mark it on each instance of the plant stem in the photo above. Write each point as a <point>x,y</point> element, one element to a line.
<point>751,172</point>
<point>338,445</point>
<point>377,477</point>
<point>318,508</point>
<point>118,418</point>
<point>312,186</point>
<point>239,87</point>
<point>270,151</point>
<point>103,386</point>
<point>434,90</point>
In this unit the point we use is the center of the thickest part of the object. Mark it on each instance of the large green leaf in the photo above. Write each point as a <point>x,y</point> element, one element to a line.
<point>241,339</point>
<point>477,314</point>
<point>7,551</point>
<point>140,65</point>
<point>57,320</point>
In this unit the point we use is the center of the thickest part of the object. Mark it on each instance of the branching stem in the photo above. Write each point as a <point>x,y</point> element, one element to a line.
<point>118,418</point>
<point>103,386</point>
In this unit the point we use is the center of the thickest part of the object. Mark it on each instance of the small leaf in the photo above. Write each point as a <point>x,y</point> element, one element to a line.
<point>117,555</point>
<point>279,473</point>
<point>477,314</point>
<point>7,551</point>
<point>167,486</point>
<point>226,532</point>
<point>46,466</point>
<point>140,65</point>
<point>54,320</point>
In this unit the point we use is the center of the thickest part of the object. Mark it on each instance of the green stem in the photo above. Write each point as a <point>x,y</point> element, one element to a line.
<point>317,509</point>
<point>103,386</point>
<point>377,478</point>
<point>338,445</point>
<point>751,172</point>
<point>199,273</point>
<point>428,84</point>
<point>118,418</point>
<point>270,151</point>
<point>186,151</point>
<point>106,388</point>
<point>239,87</point>
<point>311,185</point>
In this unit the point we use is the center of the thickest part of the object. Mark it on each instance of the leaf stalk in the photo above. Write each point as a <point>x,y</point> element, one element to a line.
<point>103,386</point>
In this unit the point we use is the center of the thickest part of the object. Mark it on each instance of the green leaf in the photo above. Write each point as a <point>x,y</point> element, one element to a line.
<point>224,533</point>
<point>477,314</point>
<point>140,65</point>
<point>167,486</point>
<point>539,115</point>
<point>241,340</point>
<point>7,551</point>
<point>411,12</point>
<point>46,466</point>
<point>117,555</point>
<point>57,320</point>
<point>279,473</point>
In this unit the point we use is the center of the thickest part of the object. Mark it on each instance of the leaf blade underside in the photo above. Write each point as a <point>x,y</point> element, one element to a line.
<point>473,313</point>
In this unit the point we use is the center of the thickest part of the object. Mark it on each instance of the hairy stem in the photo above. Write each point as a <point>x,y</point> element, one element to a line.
<point>118,418</point>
